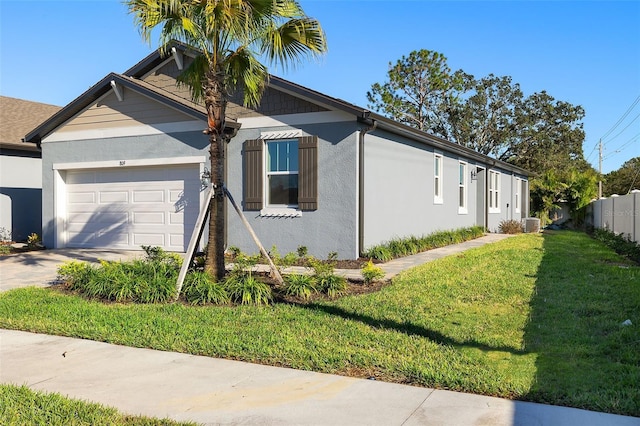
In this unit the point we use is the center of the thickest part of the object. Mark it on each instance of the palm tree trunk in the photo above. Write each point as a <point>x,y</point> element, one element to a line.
<point>216,104</point>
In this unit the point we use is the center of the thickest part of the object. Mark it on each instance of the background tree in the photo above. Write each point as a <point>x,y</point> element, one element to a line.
<point>548,135</point>
<point>485,119</point>
<point>623,180</point>
<point>231,37</point>
<point>491,115</point>
<point>420,92</point>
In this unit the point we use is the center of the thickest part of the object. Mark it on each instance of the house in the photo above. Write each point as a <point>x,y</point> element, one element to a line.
<point>122,167</point>
<point>20,168</point>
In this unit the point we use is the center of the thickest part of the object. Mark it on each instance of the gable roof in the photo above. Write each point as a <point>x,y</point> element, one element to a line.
<point>17,117</point>
<point>132,79</point>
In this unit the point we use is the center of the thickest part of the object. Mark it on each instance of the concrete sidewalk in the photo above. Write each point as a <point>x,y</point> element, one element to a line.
<point>222,392</point>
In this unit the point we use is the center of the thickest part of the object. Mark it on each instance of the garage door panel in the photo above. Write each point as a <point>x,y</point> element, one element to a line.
<point>111,197</point>
<point>156,196</point>
<point>82,197</point>
<point>176,240</point>
<point>146,218</point>
<point>112,239</point>
<point>176,218</point>
<point>127,208</point>
<point>140,239</point>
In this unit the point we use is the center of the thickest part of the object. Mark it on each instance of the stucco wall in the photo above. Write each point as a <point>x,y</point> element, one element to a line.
<point>399,190</point>
<point>20,195</point>
<point>330,228</point>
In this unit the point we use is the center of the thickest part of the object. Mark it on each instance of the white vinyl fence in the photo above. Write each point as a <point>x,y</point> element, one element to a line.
<point>619,214</point>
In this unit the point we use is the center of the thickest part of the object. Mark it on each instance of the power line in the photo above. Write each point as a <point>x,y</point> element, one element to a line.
<point>621,118</point>
<point>625,128</point>
<point>623,146</point>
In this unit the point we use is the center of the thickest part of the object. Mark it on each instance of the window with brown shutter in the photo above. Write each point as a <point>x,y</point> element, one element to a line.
<point>284,170</point>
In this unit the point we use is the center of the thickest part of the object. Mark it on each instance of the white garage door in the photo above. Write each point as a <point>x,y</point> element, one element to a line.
<point>126,208</point>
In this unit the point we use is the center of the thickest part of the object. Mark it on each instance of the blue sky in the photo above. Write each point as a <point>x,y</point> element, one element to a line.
<point>583,52</point>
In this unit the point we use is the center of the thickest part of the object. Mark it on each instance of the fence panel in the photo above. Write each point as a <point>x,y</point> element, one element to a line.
<point>619,214</point>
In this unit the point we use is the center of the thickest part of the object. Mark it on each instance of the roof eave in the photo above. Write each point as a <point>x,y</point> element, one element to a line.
<point>93,94</point>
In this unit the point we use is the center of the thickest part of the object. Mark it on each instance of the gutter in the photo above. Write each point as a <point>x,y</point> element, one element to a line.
<point>371,125</point>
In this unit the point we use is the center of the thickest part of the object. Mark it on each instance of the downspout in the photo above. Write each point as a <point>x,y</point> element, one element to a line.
<point>371,125</point>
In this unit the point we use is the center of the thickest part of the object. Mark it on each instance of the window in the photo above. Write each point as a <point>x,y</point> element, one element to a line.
<point>280,176</point>
<point>494,192</point>
<point>282,173</point>
<point>517,195</point>
<point>437,179</point>
<point>462,188</point>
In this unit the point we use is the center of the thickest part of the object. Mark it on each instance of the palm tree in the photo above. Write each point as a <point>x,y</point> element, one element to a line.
<point>231,38</point>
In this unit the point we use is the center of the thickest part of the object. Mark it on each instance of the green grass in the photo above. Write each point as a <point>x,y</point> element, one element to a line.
<point>23,406</point>
<point>532,317</point>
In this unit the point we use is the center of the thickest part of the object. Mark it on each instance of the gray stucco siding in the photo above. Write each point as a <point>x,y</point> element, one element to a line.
<point>20,195</point>
<point>399,190</point>
<point>175,145</point>
<point>507,200</point>
<point>330,228</point>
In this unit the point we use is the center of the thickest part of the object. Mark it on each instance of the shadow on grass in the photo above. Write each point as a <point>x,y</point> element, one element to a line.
<point>586,357</point>
<point>406,328</point>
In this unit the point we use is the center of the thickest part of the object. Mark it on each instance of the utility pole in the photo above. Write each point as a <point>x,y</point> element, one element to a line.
<point>600,169</point>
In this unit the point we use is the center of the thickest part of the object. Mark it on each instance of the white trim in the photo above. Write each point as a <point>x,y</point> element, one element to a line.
<point>294,119</point>
<point>284,134</point>
<point>116,132</point>
<point>517,194</point>
<point>496,191</point>
<point>60,210</point>
<point>280,212</point>
<point>437,185</point>
<point>177,56</point>
<point>464,209</point>
<point>200,159</point>
<point>117,91</point>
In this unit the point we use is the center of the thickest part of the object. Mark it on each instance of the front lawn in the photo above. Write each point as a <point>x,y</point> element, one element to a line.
<point>532,317</point>
<point>23,406</point>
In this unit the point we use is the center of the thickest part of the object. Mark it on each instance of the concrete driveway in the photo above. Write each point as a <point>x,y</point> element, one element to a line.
<point>39,268</point>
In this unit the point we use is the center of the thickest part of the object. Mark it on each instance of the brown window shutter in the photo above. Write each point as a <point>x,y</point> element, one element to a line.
<point>308,173</point>
<point>252,174</point>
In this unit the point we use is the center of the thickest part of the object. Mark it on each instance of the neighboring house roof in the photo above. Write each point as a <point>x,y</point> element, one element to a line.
<point>131,78</point>
<point>17,117</point>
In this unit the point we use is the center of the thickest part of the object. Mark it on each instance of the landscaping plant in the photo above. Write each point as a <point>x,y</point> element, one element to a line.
<point>511,227</point>
<point>300,285</point>
<point>371,272</point>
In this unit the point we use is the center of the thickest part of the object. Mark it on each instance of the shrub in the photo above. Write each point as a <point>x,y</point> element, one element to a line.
<point>379,252</point>
<point>200,288</point>
<point>302,286</point>
<point>74,272</point>
<point>302,251</point>
<point>325,279</point>
<point>5,234</point>
<point>619,243</point>
<point>511,227</point>
<point>33,239</point>
<point>332,285</point>
<point>371,272</point>
<point>248,290</point>
<point>399,247</point>
<point>289,259</point>
<point>142,281</point>
<point>157,254</point>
